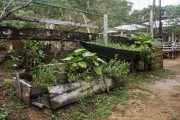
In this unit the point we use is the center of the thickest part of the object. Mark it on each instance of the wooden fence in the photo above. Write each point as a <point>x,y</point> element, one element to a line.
<point>171,49</point>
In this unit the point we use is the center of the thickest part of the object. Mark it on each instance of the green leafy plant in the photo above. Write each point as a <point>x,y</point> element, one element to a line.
<point>117,69</point>
<point>13,60</point>
<point>4,112</point>
<point>82,64</point>
<point>144,44</point>
<point>3,45</point>
<point>47,76</point>
<point>142,40</point>
<point>115,45</point>
<point>34,52</point>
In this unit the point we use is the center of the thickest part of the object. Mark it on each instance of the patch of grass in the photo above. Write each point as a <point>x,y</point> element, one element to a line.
<point>93,107</point>
<point>161,73</point>
<point>148,77</point>
<point>13,108</point>
<point>4,112</point>
<point>137,79</point>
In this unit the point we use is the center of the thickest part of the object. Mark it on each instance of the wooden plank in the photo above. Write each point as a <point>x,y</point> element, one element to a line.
<point>18,85</point>
<point>52,21</point>
<point>25,89</point>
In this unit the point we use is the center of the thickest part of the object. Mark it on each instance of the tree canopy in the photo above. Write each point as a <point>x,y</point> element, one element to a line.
<point>118,10</point>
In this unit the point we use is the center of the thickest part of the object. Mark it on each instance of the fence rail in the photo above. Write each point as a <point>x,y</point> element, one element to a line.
<point>171,49</point>
<point>171,46</point>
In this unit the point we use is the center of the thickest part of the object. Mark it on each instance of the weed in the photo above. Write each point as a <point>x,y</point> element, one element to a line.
<point>7,83</point>
<point>161,73</point>
<point>4,111</point>
<point>94,107</point>
<point>13,107</point>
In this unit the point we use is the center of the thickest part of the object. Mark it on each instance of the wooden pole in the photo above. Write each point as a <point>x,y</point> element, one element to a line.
<point>151,23</point>
<point>160,25</point>
<point>19,85</point>
<point>86,22</point>
<point>105,32</point>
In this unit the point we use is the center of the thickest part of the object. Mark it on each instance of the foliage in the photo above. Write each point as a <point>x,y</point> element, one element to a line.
<point>173,28</point>
<point>13,60</point>
<point>150,77</point>
<point>13,108</point>
<point>7,84</point>
<point>114,8</point>
<point>46,77</point>
<point>117,69</point>
<point>3,44</point>
<point>4,111</point>
<point>144,44</point>
<point>95,107</point>
<point>114,45</point>
<point>142,40</point>
<point>82,64</point>
<point>34,52</point>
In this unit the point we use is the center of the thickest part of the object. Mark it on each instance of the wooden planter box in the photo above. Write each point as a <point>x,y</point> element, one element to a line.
<point>61,95</point>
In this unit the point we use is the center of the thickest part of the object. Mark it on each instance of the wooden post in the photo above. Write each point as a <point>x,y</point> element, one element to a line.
<point>105,32</point>
<point>86,22</point>
<point>160,24</point>
<point>18,84</point>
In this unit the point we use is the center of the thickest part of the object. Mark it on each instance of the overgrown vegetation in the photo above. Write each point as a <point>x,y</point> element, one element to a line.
<point>13,60</point>
<point>101,106</point>
<point>12,108</point>
<point>34,52</point>
<point>142,43</point>
<point>117,69</point>
<point>3,44</point>
<point>31,55</point>
<point>46,76</point>
<point>81,65</point>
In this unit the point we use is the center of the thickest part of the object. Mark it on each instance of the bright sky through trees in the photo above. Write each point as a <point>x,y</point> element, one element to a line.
<point>140,4</point>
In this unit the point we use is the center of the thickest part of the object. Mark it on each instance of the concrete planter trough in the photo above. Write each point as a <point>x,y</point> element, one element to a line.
<point>60,95</point>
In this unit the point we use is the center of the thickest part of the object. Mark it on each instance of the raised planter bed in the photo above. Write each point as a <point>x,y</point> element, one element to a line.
<point>111,52</point>
<point>60,95</point>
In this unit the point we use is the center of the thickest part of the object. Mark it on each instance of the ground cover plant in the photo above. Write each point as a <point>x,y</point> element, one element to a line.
<point>101,106</point>
<point>80,65</point>
<point>30,56</point>
<point>12,107</point>
<point>92,107</point>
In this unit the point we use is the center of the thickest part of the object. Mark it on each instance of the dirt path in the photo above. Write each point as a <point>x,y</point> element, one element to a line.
<point>158,101</point>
